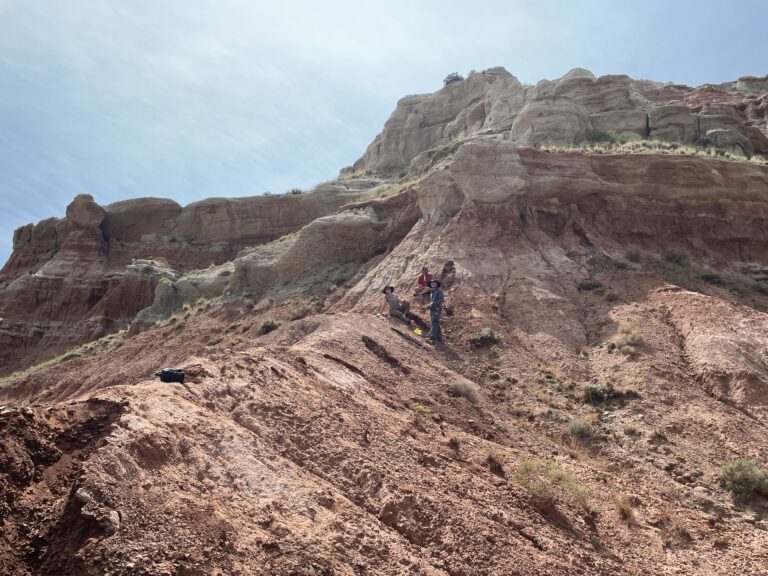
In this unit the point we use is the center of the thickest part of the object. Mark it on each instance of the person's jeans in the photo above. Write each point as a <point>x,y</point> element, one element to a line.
<point>434,332</point>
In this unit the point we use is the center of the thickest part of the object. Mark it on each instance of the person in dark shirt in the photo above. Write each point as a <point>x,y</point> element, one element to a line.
<point>435,308</point>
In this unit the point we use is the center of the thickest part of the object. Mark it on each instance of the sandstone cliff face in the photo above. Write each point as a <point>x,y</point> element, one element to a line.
<point>565,111</point>
<point>75,279</point>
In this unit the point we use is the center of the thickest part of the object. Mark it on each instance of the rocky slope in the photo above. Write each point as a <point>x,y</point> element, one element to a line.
<point>626,294</point>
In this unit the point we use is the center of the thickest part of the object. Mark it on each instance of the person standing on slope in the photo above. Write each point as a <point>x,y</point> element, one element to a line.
<point>435,308</point>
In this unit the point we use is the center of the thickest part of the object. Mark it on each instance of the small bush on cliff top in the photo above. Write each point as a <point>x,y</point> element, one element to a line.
<point>745,478</point>
<point>452,77</point>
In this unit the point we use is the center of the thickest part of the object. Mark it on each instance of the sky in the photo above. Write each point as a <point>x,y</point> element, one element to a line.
<point>188,99</point>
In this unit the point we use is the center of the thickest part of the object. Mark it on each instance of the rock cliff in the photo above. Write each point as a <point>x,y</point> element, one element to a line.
<point>604,363</point>
<point>565,111</point>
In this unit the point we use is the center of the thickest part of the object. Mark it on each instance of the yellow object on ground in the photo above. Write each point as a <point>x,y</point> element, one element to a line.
<point>417,331</point>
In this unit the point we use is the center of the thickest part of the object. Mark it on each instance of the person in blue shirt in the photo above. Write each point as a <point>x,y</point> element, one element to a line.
<point>435,308</point>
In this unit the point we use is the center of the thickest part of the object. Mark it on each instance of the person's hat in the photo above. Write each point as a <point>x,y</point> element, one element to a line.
<point>385,289</point>
<point>435,280</point>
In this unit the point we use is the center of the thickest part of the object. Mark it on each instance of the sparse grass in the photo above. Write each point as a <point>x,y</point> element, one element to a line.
<point>673,533</point>
<point>629,338</point>
<point>631,431</point>
<point>495,463</point>
<point>745,478</point>
<point>463,389</point>
<point>78,352</point>
<point>421,409</point>
<point>486,338</point>
<point>605,137</point>
<point>269,325</point>
<point>626,509</point>
<point>603,143</point>
<point>543,479</point>
<point>213,342</point>
<point>301,309</point>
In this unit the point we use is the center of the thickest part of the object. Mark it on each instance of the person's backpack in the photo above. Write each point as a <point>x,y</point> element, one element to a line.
<point>171,375</point>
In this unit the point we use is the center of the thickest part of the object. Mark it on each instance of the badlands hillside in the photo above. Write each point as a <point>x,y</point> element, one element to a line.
<point>599,406</point>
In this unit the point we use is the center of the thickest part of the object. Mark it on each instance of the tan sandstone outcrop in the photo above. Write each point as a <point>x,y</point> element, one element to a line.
<point>564,112</point>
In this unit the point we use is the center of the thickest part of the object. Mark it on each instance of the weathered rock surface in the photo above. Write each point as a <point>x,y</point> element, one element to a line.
<point>564,112</point>
<point>75,279</point>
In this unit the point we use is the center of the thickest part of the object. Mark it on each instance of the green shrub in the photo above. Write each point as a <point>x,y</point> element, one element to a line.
<point>605,137</point>
<point>633,256</point>
<point>712,278</point>
<point>594,393</point>
<point>452,77</point>
<point>589,284</point>
<point>675,257</point>
<point>621,265</point>
<point>269,325</point>
<point>580,430</point>
<point>495,462</point>
<point>485,338</point>
<point>745,478</point>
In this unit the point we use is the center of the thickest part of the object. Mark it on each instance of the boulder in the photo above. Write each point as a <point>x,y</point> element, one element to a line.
<point>672,123</point>
<point>504,101</point>
<point>83,211</point>
<point>634,121</point>
<point>129,220</point>
<point>719,121</point>
<point>550,122</point>
<point>731,140</point>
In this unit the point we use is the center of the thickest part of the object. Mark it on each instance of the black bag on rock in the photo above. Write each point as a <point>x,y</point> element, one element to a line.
<point>171,375</point>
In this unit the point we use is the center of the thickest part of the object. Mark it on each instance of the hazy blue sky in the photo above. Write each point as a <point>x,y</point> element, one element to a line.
<point>194,98</point>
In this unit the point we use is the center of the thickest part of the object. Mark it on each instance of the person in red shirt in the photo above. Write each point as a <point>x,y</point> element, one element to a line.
<point>422,283</point>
